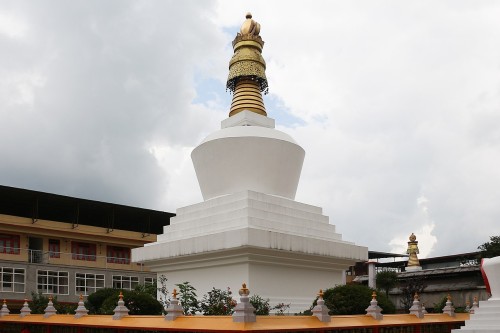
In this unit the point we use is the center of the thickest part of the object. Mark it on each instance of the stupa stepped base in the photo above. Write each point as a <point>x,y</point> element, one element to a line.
<point>249,209</point>
<point>284,250</point>
<point>485,319</point>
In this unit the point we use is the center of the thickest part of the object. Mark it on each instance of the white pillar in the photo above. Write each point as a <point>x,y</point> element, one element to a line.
<point>371,274</point>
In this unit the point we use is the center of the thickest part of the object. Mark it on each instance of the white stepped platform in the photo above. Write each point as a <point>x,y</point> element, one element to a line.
<point>284,250</point>
<point>485,319</point>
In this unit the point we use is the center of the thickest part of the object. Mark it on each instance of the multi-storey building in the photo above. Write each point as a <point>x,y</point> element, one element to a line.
<point>65,246</point>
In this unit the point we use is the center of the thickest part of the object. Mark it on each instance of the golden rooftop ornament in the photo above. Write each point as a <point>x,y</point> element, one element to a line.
<point>247,70</point>
<point>413,251</point>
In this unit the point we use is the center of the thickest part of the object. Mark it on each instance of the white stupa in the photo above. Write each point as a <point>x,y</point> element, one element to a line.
<point>249,228</point>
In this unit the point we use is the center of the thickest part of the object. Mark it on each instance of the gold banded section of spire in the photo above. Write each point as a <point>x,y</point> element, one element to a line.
<point>247,70</point>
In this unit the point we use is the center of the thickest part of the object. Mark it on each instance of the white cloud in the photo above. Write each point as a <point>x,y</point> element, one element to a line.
<point>393,100</point>
<point>12,25</point>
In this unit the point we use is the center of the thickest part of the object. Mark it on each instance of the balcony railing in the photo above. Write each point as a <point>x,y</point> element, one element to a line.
<point>73,259</point>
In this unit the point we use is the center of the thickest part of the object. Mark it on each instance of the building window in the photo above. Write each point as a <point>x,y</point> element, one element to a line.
<point>149,281</point>
<point>118,255</point>
<point>12,279</point>
<point>88,283</point>
<point>125,282</point>
<point>9,244</point>
<point>53,282</point>
<point>54,248</point>
<point>83,251</point>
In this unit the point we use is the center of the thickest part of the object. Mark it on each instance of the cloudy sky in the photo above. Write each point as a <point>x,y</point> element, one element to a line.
<point>396,103</point>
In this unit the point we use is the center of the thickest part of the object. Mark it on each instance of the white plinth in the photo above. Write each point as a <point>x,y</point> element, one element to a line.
<point>413,268</point>
<point>284,250</point>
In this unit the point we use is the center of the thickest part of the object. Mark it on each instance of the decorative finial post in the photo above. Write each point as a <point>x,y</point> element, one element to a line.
<point>467,306</point>
<point>448,308</point>
<point>174,309</point>
<point>244,312</point>
<point>247,70</point>
<point>416,308</point>
<point>81,310</point>
<point>413,263</point>
<point>50,310</point>
<point>25,310</point>
<point>475,305</point>
<point>373,309</point>
<point>121,310</point>
<point>320,311</point>
<point>5,310</point>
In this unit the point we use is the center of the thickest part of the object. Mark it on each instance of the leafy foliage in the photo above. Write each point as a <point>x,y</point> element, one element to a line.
<point>386,280</point>
<point>281,308</point>
<point>410,287</point>
<point>105,300</point>
<point>218,302</point>
<point>353,299</point>
<point>95,300</point>
<point>150,289</point>
<point>490,249</point>
<point>188,298</point>
<point>39,302</point>
<point>261,305</point>
<point>163,296</point>
<point>438,307</point>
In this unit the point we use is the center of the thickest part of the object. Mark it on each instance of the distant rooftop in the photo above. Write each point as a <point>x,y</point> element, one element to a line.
<point>46,206</point>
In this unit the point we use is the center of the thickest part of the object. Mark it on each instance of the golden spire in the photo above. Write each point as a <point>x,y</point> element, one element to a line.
<point>247,70</point>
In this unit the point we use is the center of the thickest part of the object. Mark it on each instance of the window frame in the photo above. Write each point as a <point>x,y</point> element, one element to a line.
<point>87,290</point>
<point>10,244</point>
<point>49,275</point>
<point>118,255</point>
<point>83,251</point>
<point>124,279</point>
<point>54,248</point>
<point>14,272</point>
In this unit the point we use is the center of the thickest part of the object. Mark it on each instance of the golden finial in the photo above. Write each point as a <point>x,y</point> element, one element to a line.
<point>320,294</point>
<point>416,297</point>
<point>374,296</point>
<point>81,297</point>
<point>247,70</point>
<point>50,298</point>
<point>174,293</point>
<point>121,296</point>
<point>413,237</point>
<point>244,290</point>
<point>4,301</point>
<point>448,297</point>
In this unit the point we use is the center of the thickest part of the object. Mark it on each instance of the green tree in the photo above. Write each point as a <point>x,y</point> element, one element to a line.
<point>105,300</point>
<point>163,296</point>
<point>490,249</point>
<point>150,289</point>
<point>39,302</point>
<point>261,305</point>
<point>353,299</point>
<point>386,280</point>
<point>408,289</point>
<point>188,298</point>
<point>218,302</point>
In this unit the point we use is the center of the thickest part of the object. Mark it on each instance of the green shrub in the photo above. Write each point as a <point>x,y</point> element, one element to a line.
<point>218,302</point>
<point>353,299</point>
<point>104,301</point>
<point>261,305</point>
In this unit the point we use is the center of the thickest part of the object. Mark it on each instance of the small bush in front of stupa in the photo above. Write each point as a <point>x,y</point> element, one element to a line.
<point>352,299</point>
